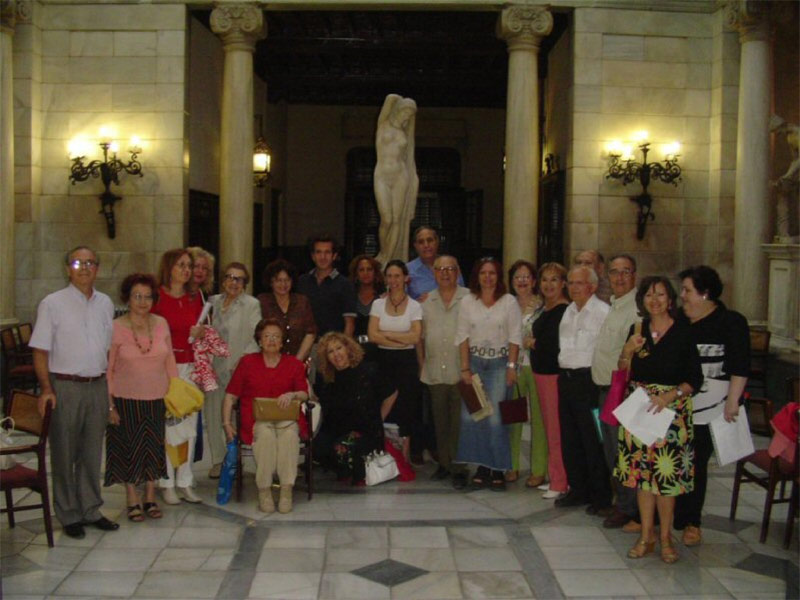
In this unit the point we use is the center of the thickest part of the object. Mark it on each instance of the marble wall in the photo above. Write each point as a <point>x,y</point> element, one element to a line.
<point>673,75</point>
<point>79,68</point>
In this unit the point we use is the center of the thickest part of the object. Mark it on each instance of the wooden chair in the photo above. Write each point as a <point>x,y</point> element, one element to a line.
<point>759,415</point>
<point>771,472</point>
<point>25,412</point>
<point>306,451</point>
<point>759,358</point>
<point>17,366</point>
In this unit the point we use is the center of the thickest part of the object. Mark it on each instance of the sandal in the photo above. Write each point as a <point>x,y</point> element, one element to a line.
<point>642,548</point>
<point>498,482</point>
<point>512,476</point>
<point>668,553</point>
<point>481,478</point>
<point>534,481</point>
<point>135,513</point>
<point>152,510</point>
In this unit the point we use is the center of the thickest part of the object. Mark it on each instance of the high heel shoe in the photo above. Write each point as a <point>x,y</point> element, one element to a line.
<point>668,553</point>
<point>642,548</point>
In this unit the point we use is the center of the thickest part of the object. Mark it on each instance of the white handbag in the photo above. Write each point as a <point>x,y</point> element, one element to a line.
<point>7,461</point>
<point>380,467</point>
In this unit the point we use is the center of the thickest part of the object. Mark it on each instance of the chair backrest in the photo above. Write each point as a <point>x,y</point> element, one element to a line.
<point>793,389</point>
<point>25,412</point>
<point>25,331</point>
<point>760,415</point>
<point>9,341</point>
<point>759,341</point>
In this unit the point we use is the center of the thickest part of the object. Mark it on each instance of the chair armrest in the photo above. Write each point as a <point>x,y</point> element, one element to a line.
<point>19,449</point>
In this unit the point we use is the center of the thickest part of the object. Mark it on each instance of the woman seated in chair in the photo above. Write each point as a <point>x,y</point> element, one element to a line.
<point>354,403</point>
<point>276,444</point>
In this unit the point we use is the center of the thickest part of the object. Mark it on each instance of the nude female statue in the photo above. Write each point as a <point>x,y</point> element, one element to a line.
<point>395,180</point>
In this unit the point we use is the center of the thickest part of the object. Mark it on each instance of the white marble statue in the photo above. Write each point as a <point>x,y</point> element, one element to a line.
<point>395,180</point>
<point>788,184</point>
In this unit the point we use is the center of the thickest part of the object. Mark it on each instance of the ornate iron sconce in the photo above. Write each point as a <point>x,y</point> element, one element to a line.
<point>628,170</point>
<point>108,171</point>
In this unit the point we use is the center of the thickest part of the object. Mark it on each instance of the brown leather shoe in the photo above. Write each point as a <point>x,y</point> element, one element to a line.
<point>632,527</point>
<point>511,476</point>
<point>616,520</point>
<point>692,536</point>
<point>534,481</point>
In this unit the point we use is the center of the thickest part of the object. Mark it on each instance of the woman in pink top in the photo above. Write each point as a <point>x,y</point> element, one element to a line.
<point>140,364</point>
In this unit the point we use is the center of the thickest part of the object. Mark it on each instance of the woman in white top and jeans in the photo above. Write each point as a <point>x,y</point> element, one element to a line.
<point>489,336</point>
<point>395,325</point>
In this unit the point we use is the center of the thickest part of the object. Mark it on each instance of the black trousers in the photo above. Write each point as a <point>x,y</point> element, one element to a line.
<point>581,445</point>
<point>689,507</point>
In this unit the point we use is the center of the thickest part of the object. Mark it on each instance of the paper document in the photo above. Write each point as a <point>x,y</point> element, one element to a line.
<point>634,416</point>
<point>732,441</point>
<point>709,402</point>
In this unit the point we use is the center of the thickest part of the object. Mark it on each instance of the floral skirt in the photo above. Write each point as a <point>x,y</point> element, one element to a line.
<point>667,467</point>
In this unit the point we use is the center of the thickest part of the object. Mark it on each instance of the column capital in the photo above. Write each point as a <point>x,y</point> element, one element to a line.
<point>750,18</point>
<point>523,26</point>
<point>239,25</point>
<point>8,16</point>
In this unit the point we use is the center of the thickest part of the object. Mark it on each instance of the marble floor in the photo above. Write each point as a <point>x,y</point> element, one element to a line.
<point>399,540</point>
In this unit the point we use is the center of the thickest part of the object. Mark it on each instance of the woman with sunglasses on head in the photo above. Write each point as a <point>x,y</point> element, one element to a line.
<point>181,308</point>
<point>234,315</point>
<point>522,280</point>
<point>489,336</point>
<point>395,325</point>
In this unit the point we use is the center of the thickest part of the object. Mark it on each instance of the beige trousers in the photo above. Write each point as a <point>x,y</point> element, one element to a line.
<point>276,446</point>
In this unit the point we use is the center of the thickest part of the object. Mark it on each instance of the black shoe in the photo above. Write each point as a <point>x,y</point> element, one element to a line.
<point>104,524</point>
<point>75,530</point>
<point>571,499</point>
<point>440,473</point>
<point>600,511</point>
<point>459,480</point>
<point>616,520</point>
<point>417,459</point>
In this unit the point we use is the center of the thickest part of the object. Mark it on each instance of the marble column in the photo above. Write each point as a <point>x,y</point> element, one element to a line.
<point>7,254</point>
<point>522,27</point>
<point>751,225</point>
<point>239,26</point>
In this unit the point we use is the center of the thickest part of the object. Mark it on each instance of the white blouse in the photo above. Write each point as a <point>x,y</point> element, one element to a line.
<point>489,329</point>
<point>396,323</point>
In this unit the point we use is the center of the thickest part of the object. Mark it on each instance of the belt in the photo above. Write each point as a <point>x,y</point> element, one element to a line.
<point>78,378</point>
<point>574,372</point>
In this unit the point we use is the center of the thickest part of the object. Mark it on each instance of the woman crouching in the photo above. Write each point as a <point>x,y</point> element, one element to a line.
<point>276,444</point>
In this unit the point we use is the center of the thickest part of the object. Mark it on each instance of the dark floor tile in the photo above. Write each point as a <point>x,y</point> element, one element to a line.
<point>389,572</point>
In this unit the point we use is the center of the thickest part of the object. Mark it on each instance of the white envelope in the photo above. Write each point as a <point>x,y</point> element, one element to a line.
<point>732,441</point>
<point>633,415</point>
<point>708,403</point>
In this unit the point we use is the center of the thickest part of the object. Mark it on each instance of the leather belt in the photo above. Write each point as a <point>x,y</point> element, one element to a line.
<point>77,378</point>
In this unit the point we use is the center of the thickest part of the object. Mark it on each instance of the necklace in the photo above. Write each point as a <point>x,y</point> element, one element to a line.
<point>397,305</point>
<point>149,335</point>
<point>656,333</point>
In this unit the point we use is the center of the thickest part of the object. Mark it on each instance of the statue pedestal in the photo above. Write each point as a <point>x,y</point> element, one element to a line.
<point>783,318</point>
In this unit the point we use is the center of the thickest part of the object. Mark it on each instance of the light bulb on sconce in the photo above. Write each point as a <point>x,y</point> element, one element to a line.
<point>672,151</point>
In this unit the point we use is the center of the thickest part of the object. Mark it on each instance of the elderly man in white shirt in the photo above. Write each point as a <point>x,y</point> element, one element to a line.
<point>70,354</point>
<point>587,473</point>
<point>612,337</point>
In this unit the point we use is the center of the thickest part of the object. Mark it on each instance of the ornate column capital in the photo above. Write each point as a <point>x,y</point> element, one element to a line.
<point>750,18</point>
<point>239,25</point>
<point>523,26</point>
<point>8,16</point>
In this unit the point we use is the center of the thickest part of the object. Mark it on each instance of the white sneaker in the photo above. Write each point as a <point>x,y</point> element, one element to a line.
<point>170,497</point>
<point>544,487</point>
<point>189,495</point>
<point>552,495</point>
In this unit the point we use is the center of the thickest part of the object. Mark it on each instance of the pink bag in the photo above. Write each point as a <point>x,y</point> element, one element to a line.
<point>616,394</point>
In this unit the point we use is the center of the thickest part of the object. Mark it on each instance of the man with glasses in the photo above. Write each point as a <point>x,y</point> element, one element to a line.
<point>70,354</point>
<point>612,337</point>
<point>439,361</point>
<point>577,395</point>
<point>420,270</point>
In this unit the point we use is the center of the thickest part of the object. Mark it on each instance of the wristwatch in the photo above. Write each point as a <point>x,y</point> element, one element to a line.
<point>511,365</point>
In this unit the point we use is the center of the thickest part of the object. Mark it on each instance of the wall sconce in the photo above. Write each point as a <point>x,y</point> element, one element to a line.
<point>107,170</point>
<point>622,166</point>
<point>262,161</point>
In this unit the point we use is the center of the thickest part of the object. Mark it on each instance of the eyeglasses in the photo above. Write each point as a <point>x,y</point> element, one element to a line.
<point>272,337</point>
<point>234,278</point>
<point>522,277</point>
<point>78,263</point>
<point>142,297</point>
<point>620,272</point>
<point>447,269</point>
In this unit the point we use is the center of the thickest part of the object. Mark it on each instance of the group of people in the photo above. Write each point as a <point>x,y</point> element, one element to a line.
<point>390,344</point>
